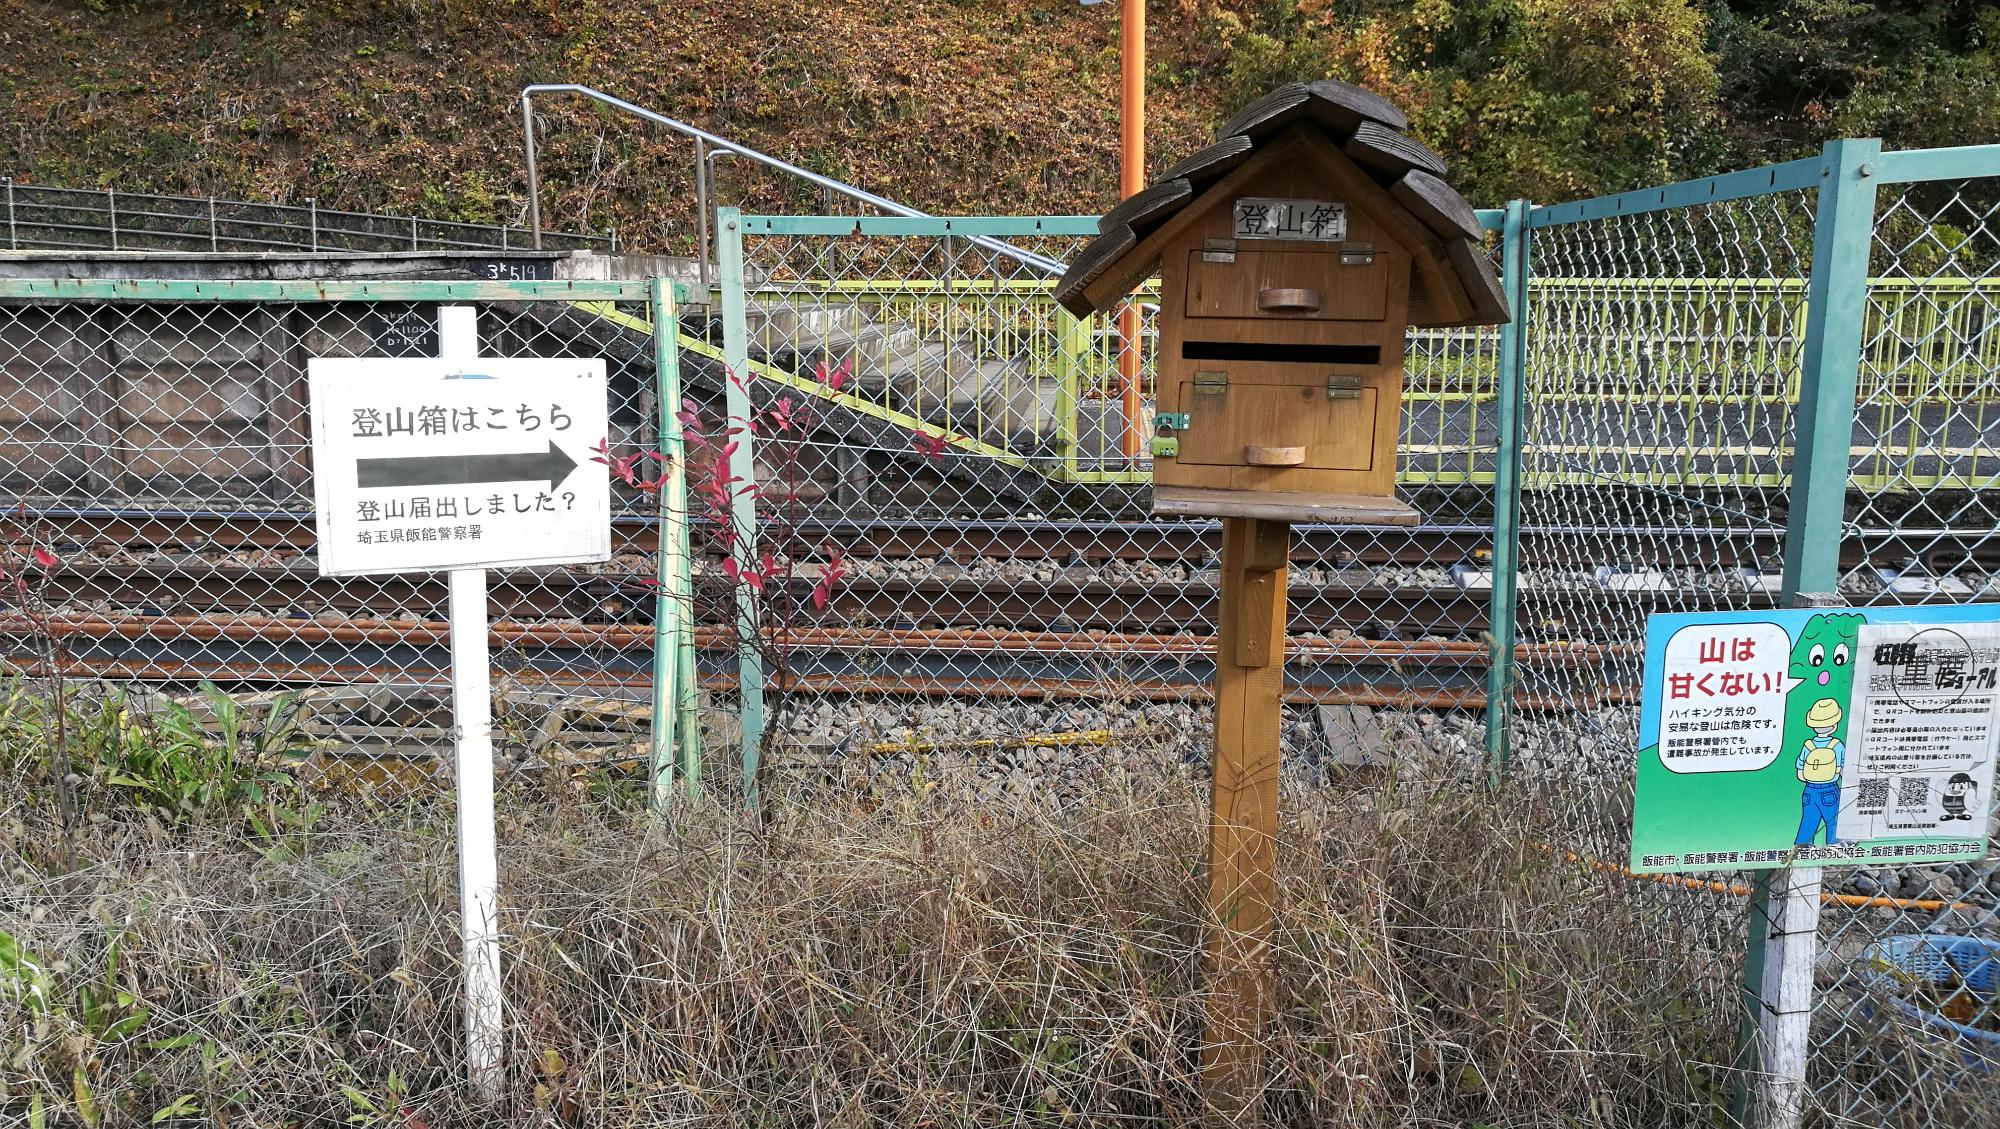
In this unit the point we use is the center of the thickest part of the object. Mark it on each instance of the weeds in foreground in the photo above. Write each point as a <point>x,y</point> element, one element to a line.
<point>184,765</point>
<point>920,959</point>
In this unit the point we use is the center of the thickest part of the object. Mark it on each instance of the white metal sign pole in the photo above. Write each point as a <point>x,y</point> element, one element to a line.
<point>459,463</point>
<point>472,712</point>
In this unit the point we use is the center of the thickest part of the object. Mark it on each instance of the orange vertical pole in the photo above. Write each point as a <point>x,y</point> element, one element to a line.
<point>1131,178</point>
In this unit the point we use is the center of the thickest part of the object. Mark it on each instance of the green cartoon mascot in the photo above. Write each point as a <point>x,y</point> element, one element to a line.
<point>1816,720</point>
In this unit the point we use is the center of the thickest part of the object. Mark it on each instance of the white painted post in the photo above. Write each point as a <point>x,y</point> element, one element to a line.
<point>472,712</point>
<point>1773,1048</point>
<point>1786,915</point>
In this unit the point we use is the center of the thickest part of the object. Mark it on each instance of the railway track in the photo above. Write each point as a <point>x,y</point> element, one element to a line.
<point>941,599</point>
<point>1377,615</point>
<point>886,537</point>
<point>963,539</point>
<point>849,660</point>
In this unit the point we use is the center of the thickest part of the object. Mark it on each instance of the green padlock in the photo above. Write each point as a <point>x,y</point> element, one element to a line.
<point>1166,447</point>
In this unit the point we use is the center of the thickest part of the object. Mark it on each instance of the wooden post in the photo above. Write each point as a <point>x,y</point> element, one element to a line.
<point>1243,819</point>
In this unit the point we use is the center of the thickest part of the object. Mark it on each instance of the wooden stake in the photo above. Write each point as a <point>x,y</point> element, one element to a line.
<point>1243,820</point>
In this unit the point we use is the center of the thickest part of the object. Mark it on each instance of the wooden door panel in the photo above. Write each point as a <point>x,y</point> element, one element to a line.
<point>1336,434</point>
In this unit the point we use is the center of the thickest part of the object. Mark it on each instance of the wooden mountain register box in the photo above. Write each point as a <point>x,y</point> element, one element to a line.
<point>1293,257</point>
<point>1293,254</point>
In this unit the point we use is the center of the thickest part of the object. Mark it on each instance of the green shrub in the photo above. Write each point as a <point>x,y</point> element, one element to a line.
<point>178,763</point>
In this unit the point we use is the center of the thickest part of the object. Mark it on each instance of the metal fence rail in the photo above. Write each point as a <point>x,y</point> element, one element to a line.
<point>43,218</point>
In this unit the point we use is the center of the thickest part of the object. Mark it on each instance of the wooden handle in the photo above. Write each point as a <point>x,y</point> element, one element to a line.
<point>1274,456</point>
<point>1282,298</point>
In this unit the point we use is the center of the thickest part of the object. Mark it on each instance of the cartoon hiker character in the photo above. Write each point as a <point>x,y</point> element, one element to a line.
<point>1957,791</point>
<point>1820,761</point>
<point>1822,661</point>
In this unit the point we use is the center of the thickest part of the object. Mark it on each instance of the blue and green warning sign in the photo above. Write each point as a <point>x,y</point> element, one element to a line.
<point>1857,736</point>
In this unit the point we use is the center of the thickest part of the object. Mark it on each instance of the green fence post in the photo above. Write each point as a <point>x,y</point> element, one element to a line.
<point>688,731</point>
<point>1510,376</point>
<point>676,739</point>
<point>1072,357</point>
<point>742,464</point>
<point>1823,424</point>
<point>1823,438</point>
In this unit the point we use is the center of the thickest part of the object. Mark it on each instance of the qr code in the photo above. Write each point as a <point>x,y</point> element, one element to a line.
<point>1874,794</point>
<point>1913,792</point>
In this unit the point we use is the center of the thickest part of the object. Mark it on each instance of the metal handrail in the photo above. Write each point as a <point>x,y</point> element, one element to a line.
<point>39,216</point>
<point>706,141</point>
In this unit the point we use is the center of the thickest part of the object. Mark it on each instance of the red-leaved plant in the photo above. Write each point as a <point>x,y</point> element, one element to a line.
<point>25,563</point>
<point>772,570</point>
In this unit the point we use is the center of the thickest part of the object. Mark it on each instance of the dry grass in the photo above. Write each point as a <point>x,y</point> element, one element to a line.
<point>911,957</point>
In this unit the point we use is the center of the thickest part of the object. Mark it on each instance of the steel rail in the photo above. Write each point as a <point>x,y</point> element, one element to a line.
<point>842,661</point>
<point>1073,601</point>
<point>965,538</point>
<point>506,632</point>
<point>844,685</point>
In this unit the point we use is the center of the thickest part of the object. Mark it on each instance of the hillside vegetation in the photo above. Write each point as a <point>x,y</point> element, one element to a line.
<point>970,106</point>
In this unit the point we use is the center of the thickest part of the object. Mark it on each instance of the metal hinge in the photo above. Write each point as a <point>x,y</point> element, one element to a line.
<point>1211,383</point>
<point>1218,250</point>
<point>1343,388</point>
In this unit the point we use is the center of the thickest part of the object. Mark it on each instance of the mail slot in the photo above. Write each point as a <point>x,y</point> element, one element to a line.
<point>1294,255</point>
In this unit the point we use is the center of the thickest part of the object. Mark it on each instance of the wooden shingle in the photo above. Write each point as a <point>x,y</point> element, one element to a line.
<point>1089,264</point>
<point>1206,166</point>
<point>1387,155</point>
<point>1337,107</point>
<point>1146,208</point>
<point>1438,204</point>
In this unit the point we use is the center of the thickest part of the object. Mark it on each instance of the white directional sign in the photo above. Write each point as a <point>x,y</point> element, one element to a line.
<point>422,464</point>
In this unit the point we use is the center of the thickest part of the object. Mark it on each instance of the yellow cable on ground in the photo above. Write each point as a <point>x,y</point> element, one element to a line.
<point>1855,901</point>
<point>1037,741</point>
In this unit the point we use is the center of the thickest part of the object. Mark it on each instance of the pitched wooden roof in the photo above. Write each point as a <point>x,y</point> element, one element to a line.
<point>1369,132</point>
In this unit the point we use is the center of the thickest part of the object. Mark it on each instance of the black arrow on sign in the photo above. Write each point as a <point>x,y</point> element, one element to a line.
<point>551,466</point>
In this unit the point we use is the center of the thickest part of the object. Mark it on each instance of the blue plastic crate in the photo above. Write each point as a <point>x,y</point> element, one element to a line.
<point>1891,963</point>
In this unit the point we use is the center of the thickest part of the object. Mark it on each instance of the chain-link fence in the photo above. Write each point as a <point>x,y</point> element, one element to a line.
<point>932,432</point>
<point>158,453</point>
<point>1920,520</point>
<point>1670,346</point>
<point>969,454</point>
<point>1662,360</point>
